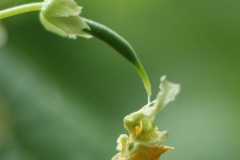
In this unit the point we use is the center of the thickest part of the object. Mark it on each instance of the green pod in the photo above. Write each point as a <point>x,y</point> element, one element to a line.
<point>121,46</point>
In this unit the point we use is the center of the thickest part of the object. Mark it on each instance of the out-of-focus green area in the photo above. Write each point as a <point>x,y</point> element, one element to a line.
<point>63,99</point>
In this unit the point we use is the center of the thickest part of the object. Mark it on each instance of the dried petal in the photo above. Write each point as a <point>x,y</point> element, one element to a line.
<point>145,141</point>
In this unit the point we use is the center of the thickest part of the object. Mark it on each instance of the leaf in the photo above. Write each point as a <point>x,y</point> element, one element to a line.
<point>3,35</point>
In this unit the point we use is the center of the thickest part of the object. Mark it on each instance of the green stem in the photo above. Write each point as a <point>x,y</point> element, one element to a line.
<point>20,9</point>
<point>121,46</point>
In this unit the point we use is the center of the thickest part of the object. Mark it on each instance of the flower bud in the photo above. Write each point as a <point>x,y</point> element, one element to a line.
<point>62,17</point>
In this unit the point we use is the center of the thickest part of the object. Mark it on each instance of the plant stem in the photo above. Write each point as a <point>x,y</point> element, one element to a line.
<point>121,46</point>
<point>20,9</point>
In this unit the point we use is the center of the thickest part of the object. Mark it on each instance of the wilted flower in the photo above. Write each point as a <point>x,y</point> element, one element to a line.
<point>145,141</point>
<point>62,17</point>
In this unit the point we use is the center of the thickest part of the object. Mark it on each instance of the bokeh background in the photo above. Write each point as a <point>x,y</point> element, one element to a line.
<point>63,99</point>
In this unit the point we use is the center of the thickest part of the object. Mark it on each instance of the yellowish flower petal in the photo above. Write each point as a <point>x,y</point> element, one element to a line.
<point>149,153</point>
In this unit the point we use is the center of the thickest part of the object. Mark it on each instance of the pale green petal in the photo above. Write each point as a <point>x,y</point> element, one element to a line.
<point>73,25</point>
<point>60,8</point>
<point>72,36</point>
<point>122,140</point>
<point>168,92</point>
<point>116,157</point>
<point>51,27</point>
<point>3,35</point>
<point>65,29</point>
<point>62,17</point>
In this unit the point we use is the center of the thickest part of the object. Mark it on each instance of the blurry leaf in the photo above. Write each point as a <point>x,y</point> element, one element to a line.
<point>3,35</point>
<point>6,3</point>
<point>37,122</point>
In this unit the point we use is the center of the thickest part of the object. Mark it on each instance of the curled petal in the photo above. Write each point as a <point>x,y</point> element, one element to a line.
<point>149,153</point>
<point>122,141</point>
<point>168,92</point>
<point>51,27</point>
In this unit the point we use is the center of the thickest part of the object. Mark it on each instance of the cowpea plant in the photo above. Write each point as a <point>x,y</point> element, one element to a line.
<point>62,18</point>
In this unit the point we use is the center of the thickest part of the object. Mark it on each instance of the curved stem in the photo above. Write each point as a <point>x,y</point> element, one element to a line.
<point>121,46</point>
<point>20,9</point>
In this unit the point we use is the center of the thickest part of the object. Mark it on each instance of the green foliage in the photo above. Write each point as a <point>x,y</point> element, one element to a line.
<point>3,35</point>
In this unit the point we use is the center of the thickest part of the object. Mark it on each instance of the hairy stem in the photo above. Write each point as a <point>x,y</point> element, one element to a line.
<point>20,9</point>
<point>121,46</point>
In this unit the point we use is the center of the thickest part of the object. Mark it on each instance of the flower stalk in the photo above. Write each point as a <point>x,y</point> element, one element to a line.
<point>20,9</point>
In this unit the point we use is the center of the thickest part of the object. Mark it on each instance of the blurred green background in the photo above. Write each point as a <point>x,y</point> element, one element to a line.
<point>63,99</point>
